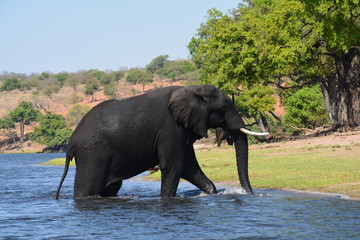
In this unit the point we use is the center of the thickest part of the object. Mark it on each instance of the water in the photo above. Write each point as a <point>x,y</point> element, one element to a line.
<point>28,210</point>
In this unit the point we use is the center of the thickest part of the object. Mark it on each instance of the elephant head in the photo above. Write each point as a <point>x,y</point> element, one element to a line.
<point>199,108</point>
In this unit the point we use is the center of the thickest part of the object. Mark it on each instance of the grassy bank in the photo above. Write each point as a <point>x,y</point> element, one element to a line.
<point>319,168</point>
<point>58,162</point>
<point>331,168</point>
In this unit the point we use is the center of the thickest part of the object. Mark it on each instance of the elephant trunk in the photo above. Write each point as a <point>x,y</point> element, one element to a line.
<point>242,155</point>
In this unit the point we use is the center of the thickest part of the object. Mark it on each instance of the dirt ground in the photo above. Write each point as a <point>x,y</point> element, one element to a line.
<point>333,139</point>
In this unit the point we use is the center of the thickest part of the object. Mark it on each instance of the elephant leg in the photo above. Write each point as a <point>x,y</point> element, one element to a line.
<point>171,164</point>
<point>87,183</point>
<point>92,170</point>
<point>169,183</point>
<point>193,173</point>
<point>112,187</point>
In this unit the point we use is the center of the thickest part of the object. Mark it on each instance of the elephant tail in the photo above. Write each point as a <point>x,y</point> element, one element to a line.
<point>69,156</point>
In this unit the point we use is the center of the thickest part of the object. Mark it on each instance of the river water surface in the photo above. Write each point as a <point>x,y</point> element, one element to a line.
<point>28,210</point>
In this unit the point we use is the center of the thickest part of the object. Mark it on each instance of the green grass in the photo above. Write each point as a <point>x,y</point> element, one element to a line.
<point>321,168</point>
<point>318,168</point>
<point>58,162</point>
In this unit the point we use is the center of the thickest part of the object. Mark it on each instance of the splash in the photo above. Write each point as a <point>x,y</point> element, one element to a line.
<point>233,191</point>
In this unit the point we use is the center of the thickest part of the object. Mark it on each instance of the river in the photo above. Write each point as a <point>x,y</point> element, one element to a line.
<point>28,210</point>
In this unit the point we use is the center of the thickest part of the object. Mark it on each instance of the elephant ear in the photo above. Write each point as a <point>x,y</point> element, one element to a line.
<point>189,108</point>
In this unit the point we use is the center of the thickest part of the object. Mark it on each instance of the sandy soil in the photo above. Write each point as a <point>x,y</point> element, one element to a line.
<point>333,139</point>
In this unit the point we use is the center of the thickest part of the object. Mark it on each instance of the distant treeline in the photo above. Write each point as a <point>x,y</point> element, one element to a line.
<point>49,83</point>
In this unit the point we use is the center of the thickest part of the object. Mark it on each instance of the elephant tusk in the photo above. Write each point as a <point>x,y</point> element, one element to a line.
<point>244,130</point>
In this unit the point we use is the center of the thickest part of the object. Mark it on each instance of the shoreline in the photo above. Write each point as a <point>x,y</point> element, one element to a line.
<point>237,184</point>
<point>282,155</point>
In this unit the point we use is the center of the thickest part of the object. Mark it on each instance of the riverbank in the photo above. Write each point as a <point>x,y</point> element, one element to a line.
<point>328,164</point>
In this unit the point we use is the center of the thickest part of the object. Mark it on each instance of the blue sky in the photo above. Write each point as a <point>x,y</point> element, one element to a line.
<point>73,35</point>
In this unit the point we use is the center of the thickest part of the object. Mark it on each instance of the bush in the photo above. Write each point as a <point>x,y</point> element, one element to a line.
<point>76,113</point>
<point>52,131</point>
<point>305,109</point>
<point>110,90</point>
<point>10,84</point>
<point>139,76</point>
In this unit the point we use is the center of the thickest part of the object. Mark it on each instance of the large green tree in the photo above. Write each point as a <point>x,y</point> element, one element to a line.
<point>288,43</point>
<point>24,114</point>
<point>52,131</point>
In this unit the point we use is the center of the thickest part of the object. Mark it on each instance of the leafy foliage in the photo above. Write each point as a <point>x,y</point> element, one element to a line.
<point>117,76</point>
<point>91,87</point>
<point>255,100</point>
<point>61,78</point>
<point>139,76</point>
<point>52,131</point>
<point>157,64</point>
<point>110,90</point>
<point>24,114</point>
<point>10,84</point>
<point>76,113</point>
<point>285,42</point>
<point>305,109</point>
<point>49,87</point>
<point>175,70</point>
<point>7,124</point>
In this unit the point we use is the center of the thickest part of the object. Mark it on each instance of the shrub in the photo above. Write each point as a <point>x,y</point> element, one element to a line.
<point>305,109</point>
<point>10,84</point>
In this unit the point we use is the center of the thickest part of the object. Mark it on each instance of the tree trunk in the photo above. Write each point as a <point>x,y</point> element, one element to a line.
<point>262,123</point>
<point>342,91</point>
<point>22,127</point>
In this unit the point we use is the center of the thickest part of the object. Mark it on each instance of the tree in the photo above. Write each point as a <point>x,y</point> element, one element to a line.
<point>43,76</point>
<point>52,131</point>
<point>176,69</point>
<point>288,43</point>
<point>110,90</point>
<point>61,78</point>
<point>139,76</point>
<point>24,114</point>
<point>116,76</point>
<point>91,88</point>
<point>255,102</point>
<point>157,63</point>
<point>76,113</point>
<point>145,78</point>
<point>73,81</point>
<point>7,126</point>
<point>49,87</point>
<point>10,84</point>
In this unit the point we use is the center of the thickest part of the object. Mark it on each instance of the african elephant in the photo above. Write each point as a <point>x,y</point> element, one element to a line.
<point>119,139</point>
<point>222,135</point>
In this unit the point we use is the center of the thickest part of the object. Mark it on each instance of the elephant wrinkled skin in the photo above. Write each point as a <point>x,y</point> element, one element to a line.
<point>119,139</point>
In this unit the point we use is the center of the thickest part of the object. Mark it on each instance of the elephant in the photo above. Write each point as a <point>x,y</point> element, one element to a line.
<point>222,135</point>
<point>119,139</point>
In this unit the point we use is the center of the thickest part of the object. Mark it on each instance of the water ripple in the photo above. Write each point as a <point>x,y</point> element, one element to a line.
<point>28,210</point>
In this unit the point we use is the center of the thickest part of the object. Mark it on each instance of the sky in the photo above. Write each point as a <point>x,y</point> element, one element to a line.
<point>75,35</point>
